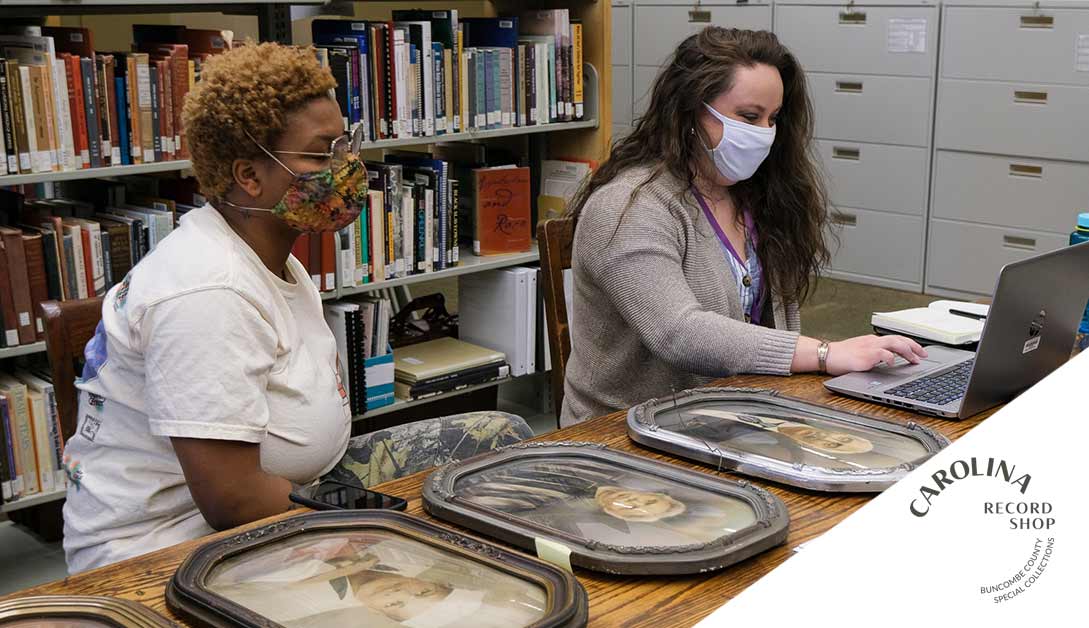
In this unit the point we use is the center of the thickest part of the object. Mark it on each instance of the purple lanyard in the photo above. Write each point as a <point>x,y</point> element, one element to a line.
<point>758,303</point>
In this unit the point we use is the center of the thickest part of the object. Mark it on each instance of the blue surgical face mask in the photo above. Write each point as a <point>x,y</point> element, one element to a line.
<point>742,149</point>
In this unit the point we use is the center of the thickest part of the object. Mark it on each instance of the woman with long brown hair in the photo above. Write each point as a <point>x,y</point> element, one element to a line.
<point>698,237</point>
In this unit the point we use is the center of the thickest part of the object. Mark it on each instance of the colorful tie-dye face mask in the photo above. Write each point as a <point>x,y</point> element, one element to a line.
<point>323,200</point>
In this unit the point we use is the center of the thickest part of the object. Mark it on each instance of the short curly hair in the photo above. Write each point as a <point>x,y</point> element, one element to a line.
<point>250,88</point>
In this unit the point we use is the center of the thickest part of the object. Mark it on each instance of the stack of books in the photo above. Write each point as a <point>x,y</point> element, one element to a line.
<point>31,441</point>
<point>428,73</point>
<point>444,365</point>
<point>66,106</point>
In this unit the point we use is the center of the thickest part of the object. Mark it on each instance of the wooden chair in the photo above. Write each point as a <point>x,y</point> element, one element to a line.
<point>555,239</point>
<point>69,326</point>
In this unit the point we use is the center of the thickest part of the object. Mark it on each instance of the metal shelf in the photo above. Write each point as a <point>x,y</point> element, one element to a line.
<point>33,500</point>
<point>185,164</point>
<point>95,173</point>
<point>11,352</point>
<point>402,404</point>
<point>482,134</point>
<point>468,263</point>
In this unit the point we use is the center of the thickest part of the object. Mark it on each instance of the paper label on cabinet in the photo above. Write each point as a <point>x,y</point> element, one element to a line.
<point>907,35</point>
<point>1081,53</point>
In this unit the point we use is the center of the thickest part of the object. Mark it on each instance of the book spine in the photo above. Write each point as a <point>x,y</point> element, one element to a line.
<point>20,285</point>
<point>520,84</point>
<point>439,88</point>
<point>74,81</point>
<point>123,122</point>
<point>8,314</point>
<point>442,211</point>
<point>88,262</point>
<point>506,81</point>
<point>11,144</point>
<point>56,434</point>
<point>107,259</point>
<point>102,103</point>
<point>144,105</point>
<point>36,275</point>
<point>43,448</point>
<point>155,85</point>
<point>576,70</point>
<point>357,89</point>
<point>416,90</point>
<point>481,80</point>
<point>14,451</point>
<point>24,434</point>
<point>420,210</point>
<point>450,65</point>
<point>42,80</point>
<point>166,108</point>
<point>71,267</point>
<point>132,82</point>
<point>463,84</point>
<point>90,111</point>
<point>35,110</point>
<point>366,86</point>
<point>53,275</point>
<point>455,219</point>
<point>408,221</point>
<point>399,56</point>
<point>7,462</point>
<point>63,117</point>
<point>23,132</point>
<point>180,82</point>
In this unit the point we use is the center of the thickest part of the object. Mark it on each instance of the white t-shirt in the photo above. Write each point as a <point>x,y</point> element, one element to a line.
<point>199,341</point>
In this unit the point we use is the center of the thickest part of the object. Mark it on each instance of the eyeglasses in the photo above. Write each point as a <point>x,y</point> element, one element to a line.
<point>339,150</point>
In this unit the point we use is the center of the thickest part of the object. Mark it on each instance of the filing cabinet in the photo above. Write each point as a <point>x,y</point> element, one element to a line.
<point>871,71</point>
<point>660,25</point>
<point>1011,140</point>
<point>623,67</point>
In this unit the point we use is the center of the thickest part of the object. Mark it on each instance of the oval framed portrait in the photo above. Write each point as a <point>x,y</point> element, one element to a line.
<point>375,568</point>
<point>762,434</point>
<point>614,512</point>
<point>78,611</point>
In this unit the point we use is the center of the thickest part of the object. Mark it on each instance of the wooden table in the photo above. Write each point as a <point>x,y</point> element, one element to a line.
<point>614,600</point>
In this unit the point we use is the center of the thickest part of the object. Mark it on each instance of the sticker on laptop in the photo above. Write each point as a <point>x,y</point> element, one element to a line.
<point>1031,344</point>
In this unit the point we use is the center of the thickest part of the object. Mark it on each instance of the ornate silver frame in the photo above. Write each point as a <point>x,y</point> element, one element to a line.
<point>643,429</point>
<point>769,530</point>
<point>568,604</point>
<point>108,610</point>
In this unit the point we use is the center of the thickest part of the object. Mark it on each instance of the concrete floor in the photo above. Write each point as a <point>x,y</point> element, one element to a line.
<point>835,310</point>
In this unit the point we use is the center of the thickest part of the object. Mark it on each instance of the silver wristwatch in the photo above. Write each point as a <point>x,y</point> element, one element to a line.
<point>822,357</point>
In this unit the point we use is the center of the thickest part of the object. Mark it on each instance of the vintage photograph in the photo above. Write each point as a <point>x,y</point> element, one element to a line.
<point>374,578</point>
<point>604,503</point>
<point>791,436</point>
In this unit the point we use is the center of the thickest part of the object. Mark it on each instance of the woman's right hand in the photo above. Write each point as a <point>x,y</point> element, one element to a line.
<point>863,353</point>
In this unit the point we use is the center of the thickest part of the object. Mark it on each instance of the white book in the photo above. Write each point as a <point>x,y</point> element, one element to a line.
<point>346,240</point>
<point>47,478</point>
<point>63,117</point>
<point>427,66</point>
<point>336,316</point>
<point>22,435</point>
<point>492,313</point>
<point>52,424</point>
<point>430,246</point>
<point>937,322</point>
<point>76,231</point>
<point>98,258</point>
<point>403,123</point>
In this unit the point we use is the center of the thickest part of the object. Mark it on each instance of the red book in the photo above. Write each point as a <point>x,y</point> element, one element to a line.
<point>88,263</point>
<point>35,272</point>
<point>301,250</point>
<point>328,260</point>
<point>15,258</point>
<point>75,104</point>
<point>502,211</point>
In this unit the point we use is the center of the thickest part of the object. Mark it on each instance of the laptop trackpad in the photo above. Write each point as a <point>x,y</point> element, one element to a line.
<point>887,375</point>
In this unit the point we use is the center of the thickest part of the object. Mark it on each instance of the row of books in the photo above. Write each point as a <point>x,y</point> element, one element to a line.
<point>65,106</point>
<point>418,206</point>
<point>61,249</point>
<point>427,73</point>
<point>361,330</point>
<point>31,440</point>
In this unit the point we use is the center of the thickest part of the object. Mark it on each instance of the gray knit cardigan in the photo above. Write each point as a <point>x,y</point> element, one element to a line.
<point>656,306</point>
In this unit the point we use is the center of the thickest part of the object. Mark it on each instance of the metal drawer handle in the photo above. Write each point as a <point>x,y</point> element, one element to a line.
<point>699,16</point>
<point>849,87</point>
<point>1032,98</point>
<point>1037,21</point>
<point>842,152</point>
<point>846,220</point>
<point>1018,242</point>
<point>853,18</point>
<point>1025,170</point>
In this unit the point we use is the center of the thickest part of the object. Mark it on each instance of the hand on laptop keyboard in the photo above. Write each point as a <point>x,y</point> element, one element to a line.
<point>939,388</point>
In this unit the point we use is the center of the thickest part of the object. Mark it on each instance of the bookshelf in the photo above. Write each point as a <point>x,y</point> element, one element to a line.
<point>586,139</point>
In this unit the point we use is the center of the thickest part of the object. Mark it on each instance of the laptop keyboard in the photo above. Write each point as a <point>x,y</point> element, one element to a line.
<point>938,389</point>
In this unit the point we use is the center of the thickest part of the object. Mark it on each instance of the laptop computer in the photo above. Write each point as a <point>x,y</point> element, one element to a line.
<point>1029,332</point>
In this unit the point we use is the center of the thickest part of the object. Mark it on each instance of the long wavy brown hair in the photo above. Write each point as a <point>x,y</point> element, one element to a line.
<point>786,195</point>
